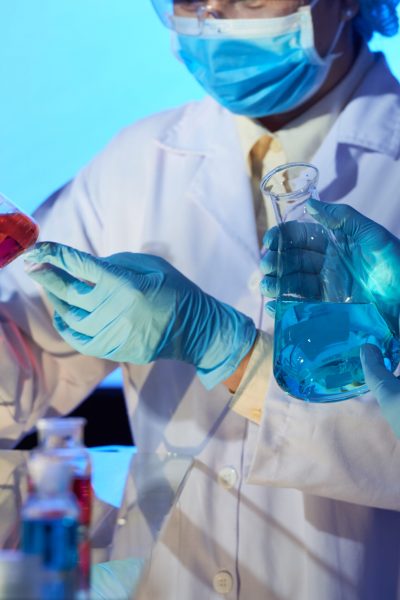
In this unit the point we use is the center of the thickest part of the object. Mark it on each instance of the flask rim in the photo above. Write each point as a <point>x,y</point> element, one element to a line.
<point>281,197</point>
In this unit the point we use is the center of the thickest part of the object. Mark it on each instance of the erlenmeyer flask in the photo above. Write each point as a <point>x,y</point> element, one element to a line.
<point>323,313</point>
<point>18,231</point>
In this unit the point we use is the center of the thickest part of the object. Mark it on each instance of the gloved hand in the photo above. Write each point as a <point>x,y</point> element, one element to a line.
<point>371,253</point>
<point>138,308</point>
<point>383,384</point>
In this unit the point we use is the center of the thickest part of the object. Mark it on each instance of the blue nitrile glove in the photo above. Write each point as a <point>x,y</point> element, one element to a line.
<point>300,270</point>
<point>383,384</point>
<point>116,579</point>
<point>137,308</point>
<point>370,251</point>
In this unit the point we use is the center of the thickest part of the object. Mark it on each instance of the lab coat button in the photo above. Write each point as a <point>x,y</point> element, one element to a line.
<point>227,477</point>
<point>254,282</point>
<point>223,582</point>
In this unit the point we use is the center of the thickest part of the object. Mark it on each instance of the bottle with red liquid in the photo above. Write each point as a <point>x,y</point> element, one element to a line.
<point>49,529</point>
<point>18,231</point>
<point>62,438</point>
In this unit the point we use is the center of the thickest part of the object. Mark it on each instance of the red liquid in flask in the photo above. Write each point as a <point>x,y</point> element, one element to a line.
<point>17,233</point>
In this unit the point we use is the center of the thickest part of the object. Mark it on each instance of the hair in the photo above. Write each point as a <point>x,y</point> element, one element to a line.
<point>379,16</point>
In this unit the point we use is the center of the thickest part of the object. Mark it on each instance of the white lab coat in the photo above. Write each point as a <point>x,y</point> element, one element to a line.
<point>175,184</point>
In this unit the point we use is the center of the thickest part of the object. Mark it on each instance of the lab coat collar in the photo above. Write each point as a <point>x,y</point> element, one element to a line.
<point>206,132</point>
<point>376,130</point>
<point>195,131</point>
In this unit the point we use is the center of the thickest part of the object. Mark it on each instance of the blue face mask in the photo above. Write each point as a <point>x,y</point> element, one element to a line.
<point>255,67</point>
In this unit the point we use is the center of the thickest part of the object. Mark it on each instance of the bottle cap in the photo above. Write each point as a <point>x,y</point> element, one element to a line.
<point>59,433</point>
<point>61,426</point>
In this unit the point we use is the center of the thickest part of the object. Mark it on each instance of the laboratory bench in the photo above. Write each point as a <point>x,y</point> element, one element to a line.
<point>133,495</point>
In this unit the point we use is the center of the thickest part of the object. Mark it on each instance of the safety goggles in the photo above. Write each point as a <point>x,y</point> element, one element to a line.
<point>188,16</point>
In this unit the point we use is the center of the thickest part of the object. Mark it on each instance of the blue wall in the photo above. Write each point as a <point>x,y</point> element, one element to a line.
<point>73,72</point>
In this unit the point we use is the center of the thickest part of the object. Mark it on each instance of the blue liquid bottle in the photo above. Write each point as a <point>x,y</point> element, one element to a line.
<point>62,439</point>
<point>324,312</point>
<point>50,519</point>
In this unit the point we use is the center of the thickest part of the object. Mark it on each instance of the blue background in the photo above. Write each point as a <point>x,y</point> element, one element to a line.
<point>73,72</point>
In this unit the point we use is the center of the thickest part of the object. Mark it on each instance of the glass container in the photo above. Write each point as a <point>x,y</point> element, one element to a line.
<point>18,231</point>
<point>63,438</point>
<point>323,312</point>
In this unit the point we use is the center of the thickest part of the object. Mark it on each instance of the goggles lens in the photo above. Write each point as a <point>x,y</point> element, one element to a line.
<point>170,10</point>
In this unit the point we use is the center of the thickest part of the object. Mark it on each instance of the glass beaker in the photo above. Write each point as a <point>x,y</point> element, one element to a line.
<point>18,231</point>
<point>323,313</point>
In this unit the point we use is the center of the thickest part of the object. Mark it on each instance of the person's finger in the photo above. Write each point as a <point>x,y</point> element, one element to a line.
<point>300,261</point>
<point>349,221</point>
<point>382,383</point>
<point>269,262</point>
<point>379,379</point>
<point>92,323</point>
<point>302,236</point>
<point>334,216</point>
<point>75,339</point>
<point>271,239</point>
<point>268,286</point>
<point>139,263</point>
<point>74,292</point>
<point>79,265</point>
<point>300,285</point>
<point>106,344</point>
<point>70,314</point>
<point>270,308</point>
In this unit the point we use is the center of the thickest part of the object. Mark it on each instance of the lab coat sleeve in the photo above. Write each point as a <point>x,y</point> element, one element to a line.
<point>39,373</point>
<point>343,450</point>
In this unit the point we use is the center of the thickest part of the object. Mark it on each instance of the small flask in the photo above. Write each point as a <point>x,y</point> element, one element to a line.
<point>50,520</point>
<point>63,438</point>
<point>18,231</point>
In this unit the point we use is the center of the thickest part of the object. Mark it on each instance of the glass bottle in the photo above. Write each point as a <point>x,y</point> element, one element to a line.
<point>49,522</point>
<point>63,438</point>
<point>18,231</point>
<point>323,312</point>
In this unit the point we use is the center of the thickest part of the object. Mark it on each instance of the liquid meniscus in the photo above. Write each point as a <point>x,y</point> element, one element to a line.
<point>317,348</point>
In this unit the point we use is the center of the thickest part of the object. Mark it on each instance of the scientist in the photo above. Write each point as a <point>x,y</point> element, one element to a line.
<point>287,81</point>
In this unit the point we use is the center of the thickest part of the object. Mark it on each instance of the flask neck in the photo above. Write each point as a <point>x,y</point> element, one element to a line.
<point>61,432</point>
<point>49,440</point>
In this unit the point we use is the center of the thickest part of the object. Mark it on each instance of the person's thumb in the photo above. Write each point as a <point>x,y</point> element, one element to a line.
<point>336,216</point>
<point>383,384</point>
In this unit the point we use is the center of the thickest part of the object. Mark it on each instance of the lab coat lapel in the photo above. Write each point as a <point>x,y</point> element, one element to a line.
<point>358,128</point>
<point>220,185</point>
<point>376,130</point>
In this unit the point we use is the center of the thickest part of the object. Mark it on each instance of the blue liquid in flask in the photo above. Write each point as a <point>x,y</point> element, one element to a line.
<point>317,348</point>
